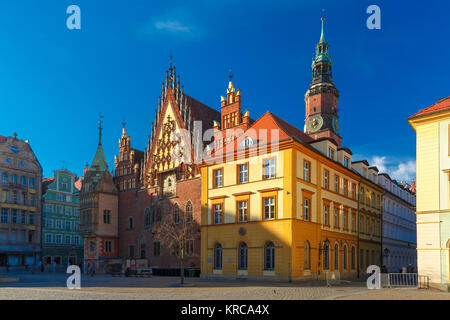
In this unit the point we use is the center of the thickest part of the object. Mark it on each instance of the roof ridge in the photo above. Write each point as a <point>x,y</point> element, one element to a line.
<point>442,105</point>
<point>284,122</point>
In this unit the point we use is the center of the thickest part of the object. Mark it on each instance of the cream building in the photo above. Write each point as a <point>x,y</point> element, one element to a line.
<point>432,127</point>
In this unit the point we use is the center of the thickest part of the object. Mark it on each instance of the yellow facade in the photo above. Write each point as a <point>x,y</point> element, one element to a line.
<point>298,240</point>
<point>433,193</point>
<point>369,225</point>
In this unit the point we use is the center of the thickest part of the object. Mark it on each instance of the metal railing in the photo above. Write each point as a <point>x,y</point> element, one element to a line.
<point>402,279</point>
<point>407,280</point>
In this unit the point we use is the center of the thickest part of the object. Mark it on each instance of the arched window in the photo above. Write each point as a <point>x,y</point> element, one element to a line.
<point>147,217</point>
<point>269,256</point>
<point>243,256</point>
<point>189,212</point>
<point>5,178</point>
<point>336,257</point>
<point>353,258</point>
<point>13,178</point>
<point>307,256</point>
<point>218,257</point>
<point>176,214</point>
<point>345,257</point>
<point>326,257</point>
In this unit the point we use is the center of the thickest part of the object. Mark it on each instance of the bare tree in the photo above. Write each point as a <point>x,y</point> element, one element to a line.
<point>176,230</point>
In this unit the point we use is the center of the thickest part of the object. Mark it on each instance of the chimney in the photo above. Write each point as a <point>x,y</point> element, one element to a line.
<point>413,186</point>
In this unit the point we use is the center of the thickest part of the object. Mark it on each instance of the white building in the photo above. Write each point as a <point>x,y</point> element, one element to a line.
<point>399,242</point>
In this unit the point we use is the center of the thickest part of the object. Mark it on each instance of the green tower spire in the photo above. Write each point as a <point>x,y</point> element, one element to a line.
<point>322,36</point>
<point>99,162</point>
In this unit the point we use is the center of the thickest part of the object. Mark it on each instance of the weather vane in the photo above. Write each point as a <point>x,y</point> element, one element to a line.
<point>230,75</point>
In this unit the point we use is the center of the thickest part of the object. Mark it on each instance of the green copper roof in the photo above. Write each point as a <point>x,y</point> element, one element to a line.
<point>322,36</point>
<point>99,162</point>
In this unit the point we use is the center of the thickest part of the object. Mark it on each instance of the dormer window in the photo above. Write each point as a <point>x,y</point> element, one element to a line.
<point>331,153</point>
<point>346,162</point>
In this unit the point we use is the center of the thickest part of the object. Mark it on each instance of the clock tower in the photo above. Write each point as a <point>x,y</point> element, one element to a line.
<point>321,99</point>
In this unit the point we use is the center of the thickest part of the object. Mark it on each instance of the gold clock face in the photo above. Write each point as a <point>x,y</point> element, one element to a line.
<point>335,125</point>
<point>315,123</point>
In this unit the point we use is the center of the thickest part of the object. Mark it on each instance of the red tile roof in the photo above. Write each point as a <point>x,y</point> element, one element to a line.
<point>46,182</point>
<point>201,112</point>
<point>441,105</point>
<point>292,131</point>
<point>262,132</point>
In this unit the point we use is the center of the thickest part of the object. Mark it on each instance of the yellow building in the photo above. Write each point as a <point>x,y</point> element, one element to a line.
<point>280,206</point>
<point>432,127</point>
<point>370,222</point>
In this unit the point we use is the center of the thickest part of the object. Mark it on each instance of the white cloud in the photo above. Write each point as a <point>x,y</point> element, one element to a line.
<point>173,26</point>
<point>380,163</point>
<point>398,169</point>
<point>405,171</point>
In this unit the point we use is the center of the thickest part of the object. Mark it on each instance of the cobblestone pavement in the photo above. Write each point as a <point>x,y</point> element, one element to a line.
<point>101,287</point>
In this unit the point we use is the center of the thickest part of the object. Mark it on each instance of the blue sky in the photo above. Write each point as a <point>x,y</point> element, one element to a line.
<point>55,82</point>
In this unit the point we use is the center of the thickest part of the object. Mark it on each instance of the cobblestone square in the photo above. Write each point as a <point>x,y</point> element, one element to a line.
<point>49,286</point>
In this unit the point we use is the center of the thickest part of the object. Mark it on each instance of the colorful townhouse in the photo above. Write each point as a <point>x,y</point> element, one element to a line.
<point>432,127</point>
<point>281,204</point>
<point>61,241</point>
<point>99,214</point>
<point>20,203</point>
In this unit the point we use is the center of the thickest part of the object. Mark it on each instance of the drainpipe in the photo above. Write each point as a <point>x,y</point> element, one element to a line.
<point>382,224</point>
<point>357,228</point>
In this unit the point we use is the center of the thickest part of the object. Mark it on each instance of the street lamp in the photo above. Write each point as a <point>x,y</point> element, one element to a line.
<point>326,243</point>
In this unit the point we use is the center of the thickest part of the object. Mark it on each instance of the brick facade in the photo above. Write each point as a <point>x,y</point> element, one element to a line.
<point>151,183</point>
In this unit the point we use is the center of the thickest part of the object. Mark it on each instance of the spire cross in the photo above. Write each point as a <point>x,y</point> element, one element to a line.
<point>100,130</point>
<point>15,135</point>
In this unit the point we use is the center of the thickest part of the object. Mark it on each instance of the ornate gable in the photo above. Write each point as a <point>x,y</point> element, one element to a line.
<point>169,149</point>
